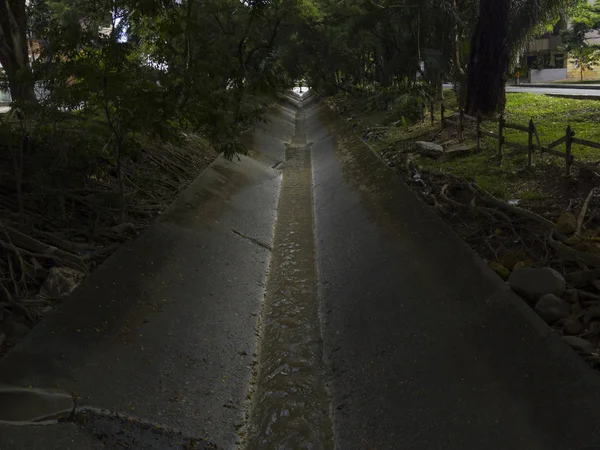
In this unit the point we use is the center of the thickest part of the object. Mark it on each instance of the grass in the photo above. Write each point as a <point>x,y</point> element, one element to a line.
<point>552,115</point>
<point>511,178</point>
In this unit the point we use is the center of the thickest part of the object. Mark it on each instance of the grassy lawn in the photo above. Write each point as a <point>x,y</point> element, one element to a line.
<point>552,115</point>
<point>511,178</point>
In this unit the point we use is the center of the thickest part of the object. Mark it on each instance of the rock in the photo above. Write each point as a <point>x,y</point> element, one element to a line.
<point>519,265</point>
<point>499,269</point>
<point>533,283</point>
<point>572,326</point>
<point>579,344</point>
<point>573,240</point>
<point>594,328</point>
<point>591,314</point>
<point>123,228</point>
<point>460,150</point>
<point>552,308</point>
<point>61,281</point>
<point>429,149</point>
<point>510,258</point>
<point>567,223</point>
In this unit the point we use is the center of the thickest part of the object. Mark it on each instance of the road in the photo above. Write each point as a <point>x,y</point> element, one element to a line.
<point>299,297</point>
<point>568,92</point>
<point>580,91</point>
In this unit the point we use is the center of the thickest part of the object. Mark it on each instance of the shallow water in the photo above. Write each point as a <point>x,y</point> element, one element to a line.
<point>290,408</point>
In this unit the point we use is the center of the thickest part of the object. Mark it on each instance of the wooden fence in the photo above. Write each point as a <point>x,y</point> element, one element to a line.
<point>459,117</point>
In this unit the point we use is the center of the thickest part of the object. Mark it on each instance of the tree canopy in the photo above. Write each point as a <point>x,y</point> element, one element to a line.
<point>148,64</point>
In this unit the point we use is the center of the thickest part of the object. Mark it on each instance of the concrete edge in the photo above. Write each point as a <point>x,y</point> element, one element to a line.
<point>557,86</point>
<point>502,292</point>
<point>573,96</point>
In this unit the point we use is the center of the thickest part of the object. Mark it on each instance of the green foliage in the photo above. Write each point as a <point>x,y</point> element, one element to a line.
<point>584,20</point>
<point>551,115</point>
<point>408,108</point>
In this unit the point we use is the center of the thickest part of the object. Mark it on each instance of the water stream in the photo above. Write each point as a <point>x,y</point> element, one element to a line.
<point>290,408</point>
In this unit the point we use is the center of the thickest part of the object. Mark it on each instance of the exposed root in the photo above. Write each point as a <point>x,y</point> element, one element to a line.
<point>487,197</point>
<point>570,254</point>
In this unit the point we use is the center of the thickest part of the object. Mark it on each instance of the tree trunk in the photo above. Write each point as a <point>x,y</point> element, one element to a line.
<point>488,63</point>
<point>460,75</point>
<point>14,55</point>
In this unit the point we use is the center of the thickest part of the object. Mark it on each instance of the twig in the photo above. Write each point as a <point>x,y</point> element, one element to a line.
<point>583,211</point>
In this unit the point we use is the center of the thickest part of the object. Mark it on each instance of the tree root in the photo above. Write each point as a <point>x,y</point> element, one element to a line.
<point>570,254</point>
<point>489,198</point>
<point>38,248</point>
<point>6,297</point>
<point>582,277</point>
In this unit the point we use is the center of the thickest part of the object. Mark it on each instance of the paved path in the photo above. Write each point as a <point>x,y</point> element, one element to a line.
<point>195,333</point>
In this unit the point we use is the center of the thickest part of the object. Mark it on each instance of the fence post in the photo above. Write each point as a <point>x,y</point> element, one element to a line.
<point>461,118</point>
<point>478,132</point>
<point>431,111</point>
<point>500,135</point>
<point>442,110</point>
<point>568,144</point>
<point>530,144</point>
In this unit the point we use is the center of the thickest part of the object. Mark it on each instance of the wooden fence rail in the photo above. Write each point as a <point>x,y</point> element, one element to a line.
<point>568,139</point>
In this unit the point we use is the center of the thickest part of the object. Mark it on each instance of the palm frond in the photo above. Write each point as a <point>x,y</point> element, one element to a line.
<point>528,18</point>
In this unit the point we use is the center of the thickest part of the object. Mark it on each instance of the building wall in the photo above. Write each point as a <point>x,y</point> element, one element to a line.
<point>540,76</point>
<point>574,73</point>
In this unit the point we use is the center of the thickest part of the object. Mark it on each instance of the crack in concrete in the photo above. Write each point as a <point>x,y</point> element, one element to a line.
<point>120,430</point>
<point>254,241</point>
<point>33,406</point>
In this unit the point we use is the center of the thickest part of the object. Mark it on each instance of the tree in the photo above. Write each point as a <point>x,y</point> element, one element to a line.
<point>489,58</point>
<point>14,54</point>
<point>585,20</point>
<point>502,28</point>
